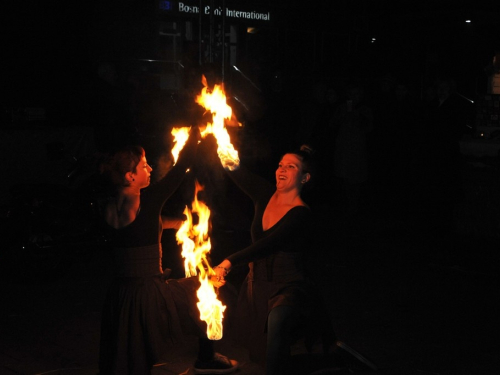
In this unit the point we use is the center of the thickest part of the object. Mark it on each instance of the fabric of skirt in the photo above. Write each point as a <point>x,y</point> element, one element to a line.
<point>144,319</point>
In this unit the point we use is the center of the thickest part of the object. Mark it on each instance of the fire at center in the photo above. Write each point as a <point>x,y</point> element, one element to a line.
<point>193,237</point>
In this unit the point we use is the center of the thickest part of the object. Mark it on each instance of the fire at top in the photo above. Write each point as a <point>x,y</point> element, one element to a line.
<point>215,102</point>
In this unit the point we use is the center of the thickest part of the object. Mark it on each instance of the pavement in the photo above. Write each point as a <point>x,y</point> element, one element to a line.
<point>410,298</point>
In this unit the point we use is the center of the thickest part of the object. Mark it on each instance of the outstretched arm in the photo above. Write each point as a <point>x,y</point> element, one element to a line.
<point>251,184</point>
<point>293,228</point>
<point>163,189</point>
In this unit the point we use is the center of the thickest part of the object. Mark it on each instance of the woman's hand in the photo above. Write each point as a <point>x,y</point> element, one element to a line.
<point>221,272</point>
<point>223,269</point>
<point>217,281</point>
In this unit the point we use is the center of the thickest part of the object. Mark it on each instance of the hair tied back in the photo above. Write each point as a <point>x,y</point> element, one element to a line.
<point>307,149</point>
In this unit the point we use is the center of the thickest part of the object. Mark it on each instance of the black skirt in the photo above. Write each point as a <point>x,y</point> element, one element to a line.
<point>145,317</point>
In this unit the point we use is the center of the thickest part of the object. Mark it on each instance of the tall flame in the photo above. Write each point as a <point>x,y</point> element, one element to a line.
<point>194,237</point>
<point>195,247</point>
<point>215,102</point>
<point>181,136</point>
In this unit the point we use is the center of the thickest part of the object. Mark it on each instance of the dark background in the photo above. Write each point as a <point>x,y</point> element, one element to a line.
<point>413,298</point>
<point>48,49</point>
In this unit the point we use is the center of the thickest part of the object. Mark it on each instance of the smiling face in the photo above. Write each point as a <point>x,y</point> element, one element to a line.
<point>289,174</point>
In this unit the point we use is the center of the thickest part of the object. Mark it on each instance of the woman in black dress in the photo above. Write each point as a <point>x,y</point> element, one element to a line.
<point>276,294</point>
<point>144,313</point>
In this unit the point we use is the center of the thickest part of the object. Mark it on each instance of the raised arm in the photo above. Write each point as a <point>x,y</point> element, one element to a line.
<point>251,184</point>
<point>164,188</point>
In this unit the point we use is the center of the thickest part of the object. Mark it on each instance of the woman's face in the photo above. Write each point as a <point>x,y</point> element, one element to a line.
<point>289,174</point>
<point>142,174</point>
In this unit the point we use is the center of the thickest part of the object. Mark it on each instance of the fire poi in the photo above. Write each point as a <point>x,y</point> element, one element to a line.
<point>181,136</point>
<point>215,102</point>
<point>194,237</point>
<point>195,247</point>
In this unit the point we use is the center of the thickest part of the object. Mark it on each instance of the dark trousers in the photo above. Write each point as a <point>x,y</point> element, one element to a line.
<point>281,323</point>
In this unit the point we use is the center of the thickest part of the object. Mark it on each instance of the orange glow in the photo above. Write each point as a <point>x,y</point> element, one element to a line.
<point>211,309</point>
<point>215,102</point>
<point>195,247</point>
<point>181,136</point>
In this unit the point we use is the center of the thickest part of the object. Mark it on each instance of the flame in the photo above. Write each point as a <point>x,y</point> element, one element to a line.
<point>194,237</point>
<point>195,247</point>
<point>215,102</point>
<point>181,136</point>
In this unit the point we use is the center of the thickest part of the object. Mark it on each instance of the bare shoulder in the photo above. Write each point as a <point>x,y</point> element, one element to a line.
<point>110,214</point>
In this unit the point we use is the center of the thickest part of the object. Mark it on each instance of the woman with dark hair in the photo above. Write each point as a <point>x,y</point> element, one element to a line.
<point>146,315</point>
<point>276,294</point>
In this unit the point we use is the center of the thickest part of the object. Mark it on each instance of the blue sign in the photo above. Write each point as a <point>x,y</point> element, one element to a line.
<point>166,5</point>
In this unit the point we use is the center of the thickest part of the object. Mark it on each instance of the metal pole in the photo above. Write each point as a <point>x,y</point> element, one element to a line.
<point>211,56</point>
<point>223,54</point>
<point>200,35</point>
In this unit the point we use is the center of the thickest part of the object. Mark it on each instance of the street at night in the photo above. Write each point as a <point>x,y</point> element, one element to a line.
<point>398,104</point>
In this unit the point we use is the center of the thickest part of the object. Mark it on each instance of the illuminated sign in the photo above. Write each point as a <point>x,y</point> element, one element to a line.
<point>166,5</point>
<point>183,8</point>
